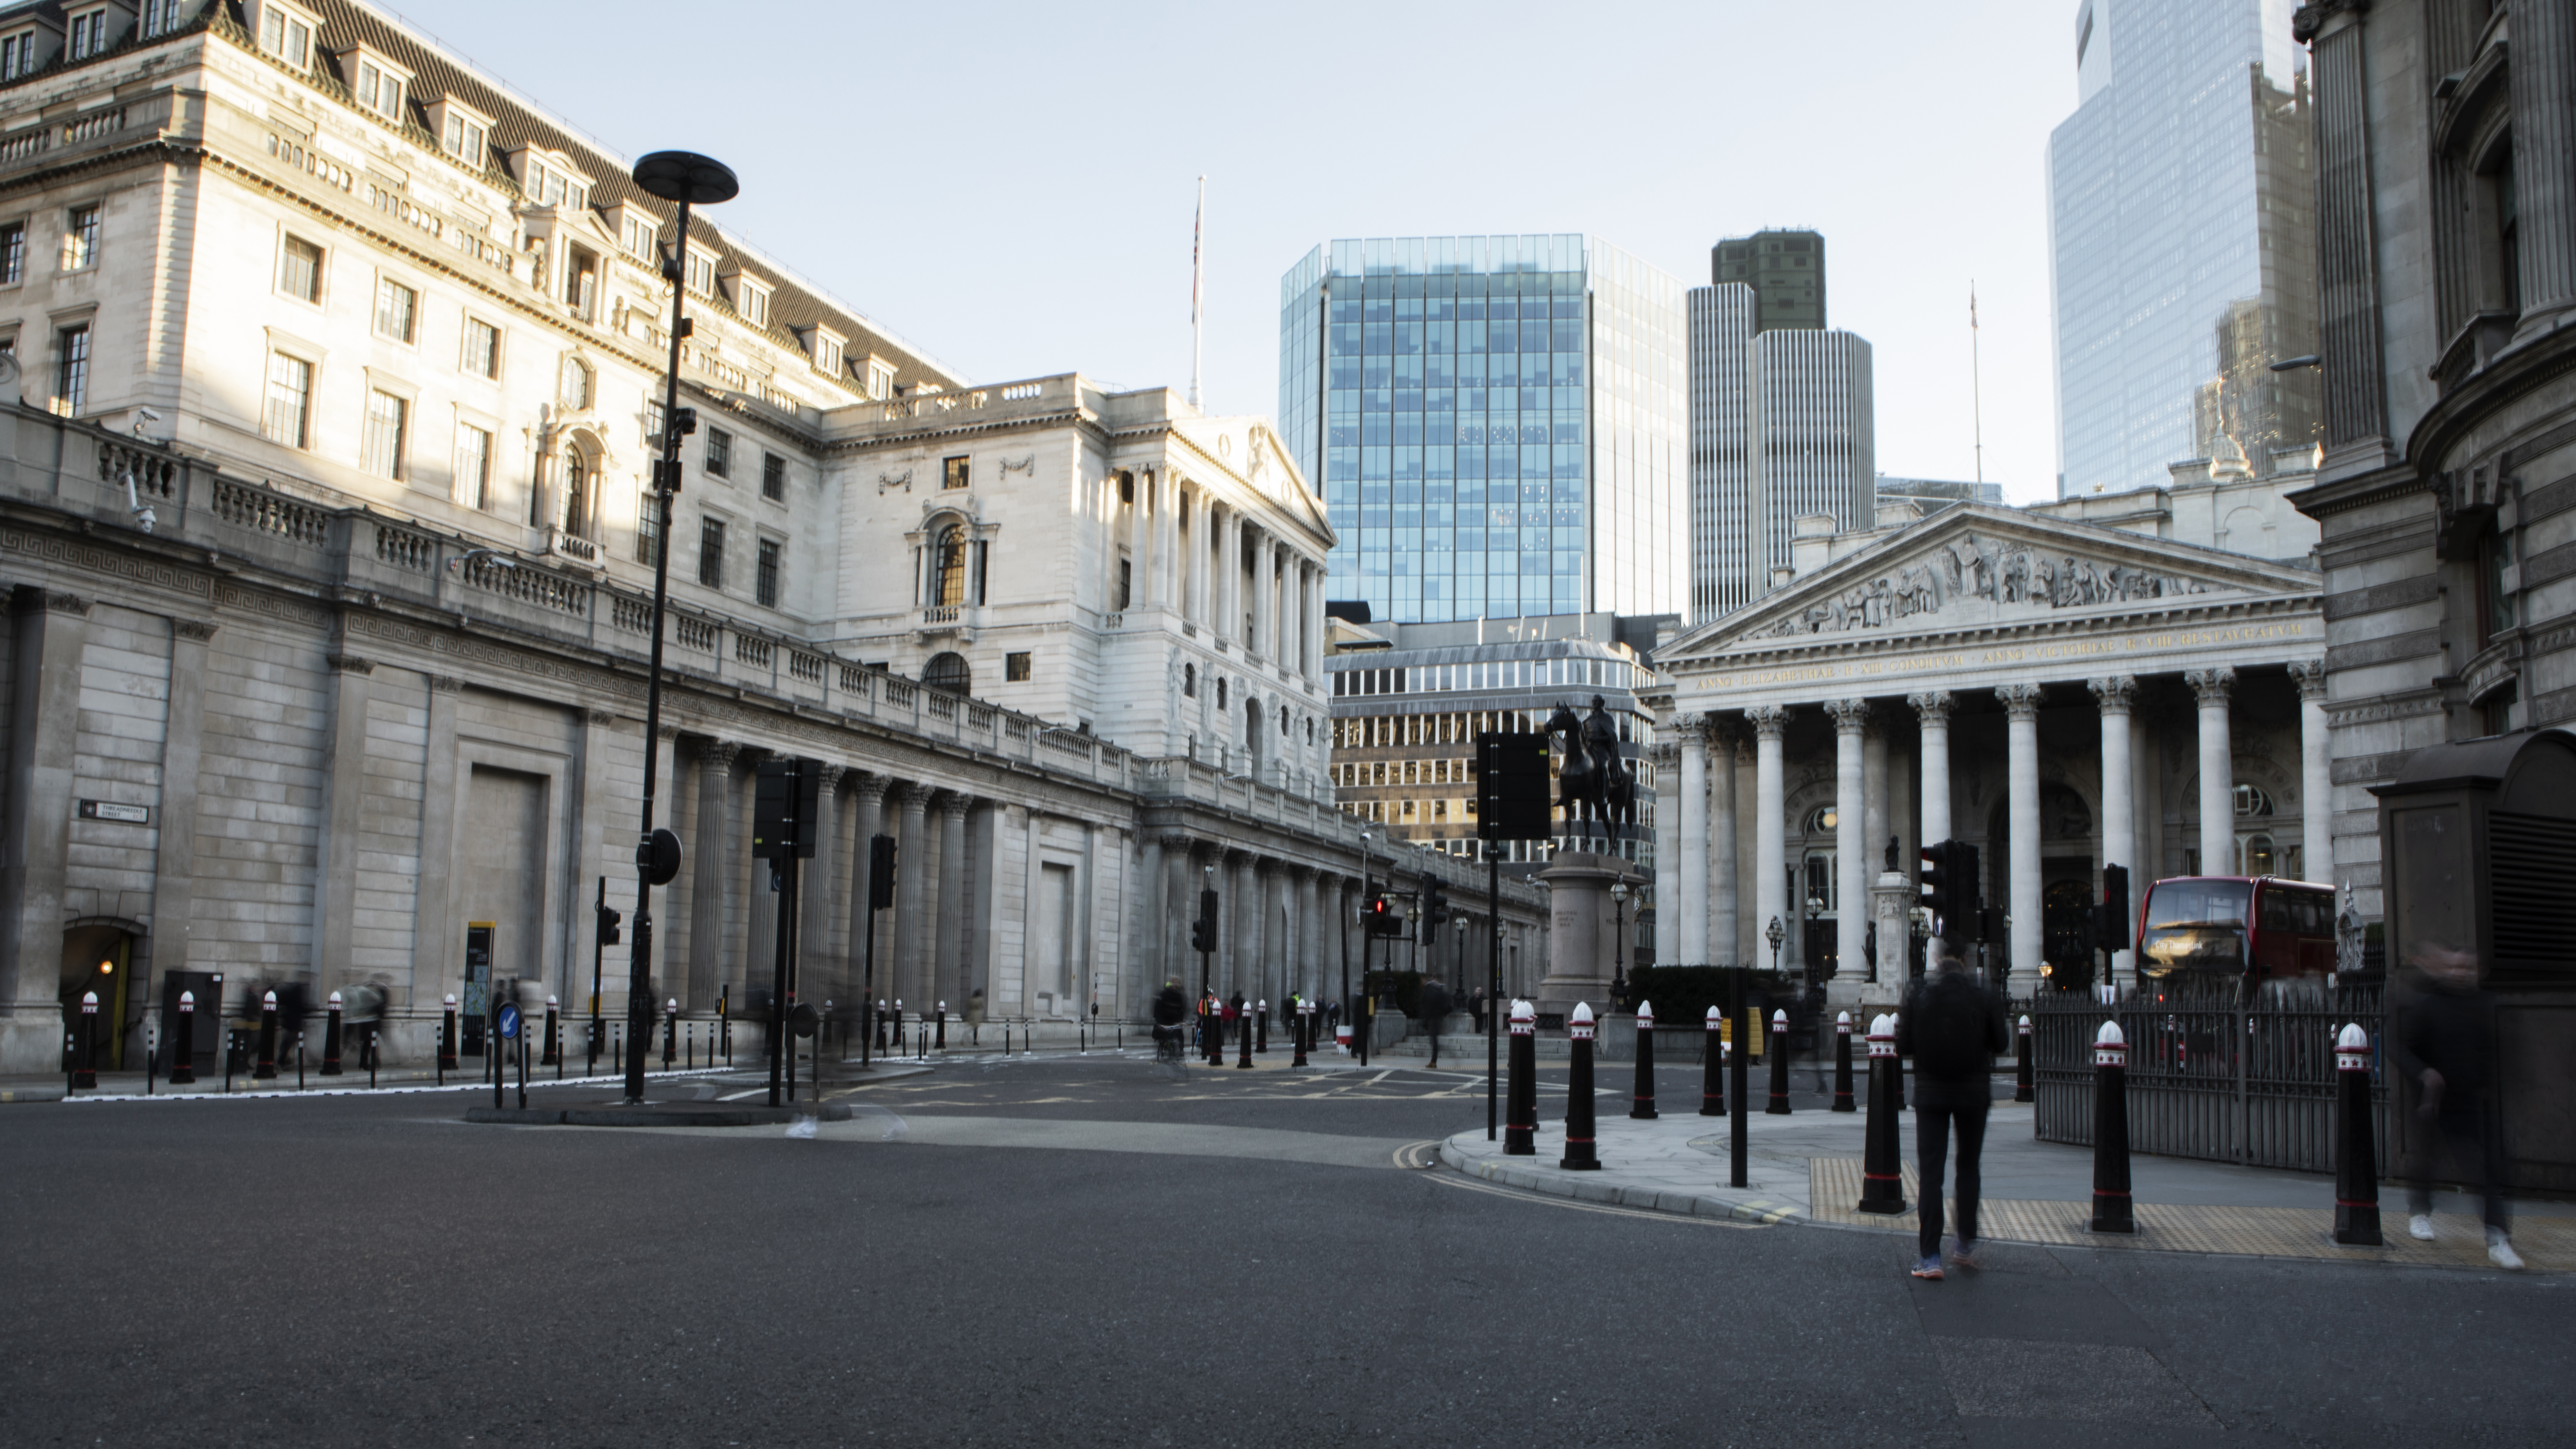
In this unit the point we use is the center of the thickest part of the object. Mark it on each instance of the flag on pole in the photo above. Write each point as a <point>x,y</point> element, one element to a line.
<point>1198,228</point>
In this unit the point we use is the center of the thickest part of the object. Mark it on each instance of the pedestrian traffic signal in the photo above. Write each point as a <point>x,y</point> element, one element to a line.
<point>1512,787</point>
<point>1435,908</point>
<point>1949,888</point>
<point>2114,934</point>
<point>881,873</point>
<point>1380,918</point>
<point>1203,930</point>
<point>609,919</point>
<point>786,808</point>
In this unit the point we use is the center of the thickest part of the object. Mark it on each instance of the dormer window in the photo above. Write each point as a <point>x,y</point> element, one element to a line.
<point>751,299</point>
<point>549,182</point>
<point>827,345</point>
<point>465,135</point>
<point>87,34</point>
<point>638,234</point>
<point>159,18</point>
<point>700,272</point>
<point>880,378</point>
<point>377,87</point>
<point>20,55</point>
<point>286,36</point>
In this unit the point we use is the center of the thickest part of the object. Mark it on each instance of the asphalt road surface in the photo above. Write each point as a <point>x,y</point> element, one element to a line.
<point>1057,1251</point>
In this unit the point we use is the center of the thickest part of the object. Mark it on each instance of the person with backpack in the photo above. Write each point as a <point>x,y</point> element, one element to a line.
<point>1953,1026</point>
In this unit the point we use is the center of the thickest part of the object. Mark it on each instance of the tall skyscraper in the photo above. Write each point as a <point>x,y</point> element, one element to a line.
<point>2182,221</point>
<point>1496,423</point>
<point>1781,423</point>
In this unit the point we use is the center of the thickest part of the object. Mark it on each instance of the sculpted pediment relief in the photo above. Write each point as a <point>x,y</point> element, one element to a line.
<point>1987,567</point>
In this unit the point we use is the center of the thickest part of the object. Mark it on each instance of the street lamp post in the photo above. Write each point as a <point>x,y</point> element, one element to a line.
<point>1815,906</point>
<point>1619,946</point>
<point>689,180</point>
<point>1775,934</point>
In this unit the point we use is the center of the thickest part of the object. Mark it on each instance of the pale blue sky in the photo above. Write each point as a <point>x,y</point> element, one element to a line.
<point>1009,186</point>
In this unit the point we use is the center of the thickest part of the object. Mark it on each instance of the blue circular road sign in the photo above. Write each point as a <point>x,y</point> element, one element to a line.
<point>509,1020</point>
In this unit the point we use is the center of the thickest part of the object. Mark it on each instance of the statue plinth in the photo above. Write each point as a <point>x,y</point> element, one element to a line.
<point>1583,930</point>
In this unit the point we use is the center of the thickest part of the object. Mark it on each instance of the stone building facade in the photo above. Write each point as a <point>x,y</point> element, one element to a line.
<point>330,585</point>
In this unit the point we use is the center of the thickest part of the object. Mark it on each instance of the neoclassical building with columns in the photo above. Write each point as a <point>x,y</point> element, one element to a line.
<point>2064,695</point>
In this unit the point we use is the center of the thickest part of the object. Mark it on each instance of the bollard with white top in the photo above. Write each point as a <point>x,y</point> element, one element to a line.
<point>1301,1028</point>
<point>554,1044</point>
<point>1581,1152</point>
<point>183,1046</point>
<point>1882,1164</point>
<point>266,1068</point>
<point>1712,1064</point>
<point>331,1039</point>
<point>446,1038</point>
<point>1642,1105</point>
<point>1778,1049</point>
<point>940,1038</point>
<point>1261,1026</point>
<point>2023,1089</point>
<point>85,1055</point>
<point>670,1032</point>
<point>2111,1208</point>
<point>2356,1148</point>
<point>1842,1062</point>
<point>1520,1097</point>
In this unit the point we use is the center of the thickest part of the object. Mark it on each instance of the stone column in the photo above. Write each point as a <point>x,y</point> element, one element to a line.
<point>1722,892</point>
<point>1310,930</point>
<point>2543,77</point>
<point>2116,695</point>
<point>821,966</point>
<point>953,895</point>
<point>1180,907</point>
<point>2217,770</point>
<point>344,792</point>
<point>867,810</point>
<point>1149,938</point>
<point>1667,758</point>
<point>751,884</point>
<point>174,861</point>
<point>2021,711</point>
<point>1932,709</point>
<point>1851,847</point>
<point>1242,919</point>
<point>2316,772</point>
<point>592,861</point>
<point>1692,939</point>
<point>908,973</point>
<point>434,961</point>
<point>1873,789</point>
<point>708,874</point>
<point>1770,838</point>
<point>51,634</point>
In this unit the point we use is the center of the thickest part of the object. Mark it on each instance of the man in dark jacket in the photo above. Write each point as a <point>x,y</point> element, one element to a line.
<point>2445,1044</point>
<point>1953,1027</point>
<point>1435,1006</point>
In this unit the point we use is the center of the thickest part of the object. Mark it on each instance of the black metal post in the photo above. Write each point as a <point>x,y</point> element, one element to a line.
<point>1882,1166</point>
<point>183,1048</point>
<point>1493,973</point>
<point>1735,1084</point>
<point>331,1039</point>
<point>553,1053</point>
<point>1712,1067</point>
<point>1520,1134</point>
<point>598,957</point>
<point>447,1038</point>
<point>2111,1208</point>
<point>85,1051</point>
<point>1777,1051</point>
<point>2023,1088</point>
<point>264,1068</point>
<point>1580,1152</point>
<point>1842,1062</point>
<point>2356,1154</point>
<point>1642,1105</point>
<point>785,868</point>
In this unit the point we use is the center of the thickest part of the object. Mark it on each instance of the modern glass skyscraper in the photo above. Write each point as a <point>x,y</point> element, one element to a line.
<point>1496,423</point>
<point>2182,221</point>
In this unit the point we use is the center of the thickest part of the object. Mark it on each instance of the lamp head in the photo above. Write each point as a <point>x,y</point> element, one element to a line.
<point>687,176</point>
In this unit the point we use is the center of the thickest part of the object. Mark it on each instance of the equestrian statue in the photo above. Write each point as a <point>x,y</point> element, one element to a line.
<point>1593,784</point>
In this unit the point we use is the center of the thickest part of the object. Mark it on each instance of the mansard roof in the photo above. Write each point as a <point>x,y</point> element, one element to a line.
<point>1978,567</point>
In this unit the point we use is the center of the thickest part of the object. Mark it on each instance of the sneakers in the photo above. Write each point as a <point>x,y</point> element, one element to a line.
<point>1964,1254</point>
<point>1929,1269</point>
<point>2500,1251</point>
<point>2420,1227</point>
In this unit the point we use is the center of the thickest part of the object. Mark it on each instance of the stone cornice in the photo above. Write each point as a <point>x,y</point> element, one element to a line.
<point>1838,647</point>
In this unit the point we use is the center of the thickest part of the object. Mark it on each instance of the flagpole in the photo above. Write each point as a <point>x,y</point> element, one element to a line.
<point>1198,288</point>
<point>1976,398</point>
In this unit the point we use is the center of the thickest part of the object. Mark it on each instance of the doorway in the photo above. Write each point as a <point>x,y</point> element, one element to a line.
<point>99,957</point>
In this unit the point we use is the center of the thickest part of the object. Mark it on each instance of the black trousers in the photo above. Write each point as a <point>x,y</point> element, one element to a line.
<point>2476,1151</point>
<point>1934,1112</point>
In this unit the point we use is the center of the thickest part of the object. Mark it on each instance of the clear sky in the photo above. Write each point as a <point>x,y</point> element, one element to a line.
<point>1009,186</point>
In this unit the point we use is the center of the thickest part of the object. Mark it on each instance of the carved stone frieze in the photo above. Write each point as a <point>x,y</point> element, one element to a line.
<point>1974,567</point>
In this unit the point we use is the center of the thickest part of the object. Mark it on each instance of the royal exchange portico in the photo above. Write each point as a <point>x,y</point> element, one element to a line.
<point>2062,695</point>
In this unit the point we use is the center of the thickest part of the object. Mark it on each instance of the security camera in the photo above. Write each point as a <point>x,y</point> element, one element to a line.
<point>147,415</point>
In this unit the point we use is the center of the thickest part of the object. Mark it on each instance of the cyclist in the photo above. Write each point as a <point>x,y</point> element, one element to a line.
<point>1169,1008</point>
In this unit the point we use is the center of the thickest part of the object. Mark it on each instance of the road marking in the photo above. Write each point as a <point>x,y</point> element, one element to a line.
<point>1468,1185</point>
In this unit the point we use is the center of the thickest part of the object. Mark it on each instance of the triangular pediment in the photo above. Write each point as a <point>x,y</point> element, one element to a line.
<point>1251,450</point>
<point>1980,566</point>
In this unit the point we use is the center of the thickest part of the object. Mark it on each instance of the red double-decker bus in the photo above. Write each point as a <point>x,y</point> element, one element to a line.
<point>2220,926</point>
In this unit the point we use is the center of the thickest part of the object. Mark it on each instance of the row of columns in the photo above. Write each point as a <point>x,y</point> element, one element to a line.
<point>1272,611</point>
<point>1860,798</point>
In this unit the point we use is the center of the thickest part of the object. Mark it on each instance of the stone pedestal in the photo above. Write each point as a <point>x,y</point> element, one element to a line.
<point>1583,930</point>
<point>1889,901</point>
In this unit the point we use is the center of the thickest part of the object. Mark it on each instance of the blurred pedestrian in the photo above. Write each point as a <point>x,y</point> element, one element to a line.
<point>2445,1044</point>
<point>1952,1025</point>
<point>1436,1005</point>
<point>1233,1016</point>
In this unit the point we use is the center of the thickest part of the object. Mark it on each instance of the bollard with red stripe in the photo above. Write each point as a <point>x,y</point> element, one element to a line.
<point>1520,1097</point>
<point>554,1044</point>
<point>1642,1105</point>
<point>1842,1063</point>
<point>183,1047</point>
<point>1261,1026</point>
<point>2023,1091</point>
<point>1243,1043</point>
<point>2356,1154</point>
<point>447,1038</point>
<point>2111,1209</point>
<point>1778,1047</point>
<point>1302,1028</point>
<point>265,1067</point>
<point>1580,1150</point>
<point>85,1054</point>
<point>1712,1061</point>
<point>1882,1164</point>
<point>331,1039</point>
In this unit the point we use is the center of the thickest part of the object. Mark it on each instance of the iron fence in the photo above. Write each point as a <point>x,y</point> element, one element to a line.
<point>2216,1071</point>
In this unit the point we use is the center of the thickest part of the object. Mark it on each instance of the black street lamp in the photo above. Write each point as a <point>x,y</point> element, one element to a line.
<point>1619,946</point>
<point>1774,934</point>
<point>690,180</point>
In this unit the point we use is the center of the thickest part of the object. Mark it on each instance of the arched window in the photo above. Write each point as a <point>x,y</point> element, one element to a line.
<point>2252,800</point>
<point>578,476</point>
<point>948,672</point>
<point>948,568</point>
<point>1820,821</point>
<point>573,390</point>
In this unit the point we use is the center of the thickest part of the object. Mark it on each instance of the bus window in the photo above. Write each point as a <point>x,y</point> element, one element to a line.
<point>2195,924</point>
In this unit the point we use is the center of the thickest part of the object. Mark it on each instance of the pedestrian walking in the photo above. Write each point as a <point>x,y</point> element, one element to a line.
<point>1953,1027</point>
<point>2445,1044</point>
<point>1435,1004</point>
<point>1233,1015</point>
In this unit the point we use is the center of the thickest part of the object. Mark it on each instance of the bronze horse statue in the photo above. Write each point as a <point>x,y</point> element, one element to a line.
<point>1593,784</point>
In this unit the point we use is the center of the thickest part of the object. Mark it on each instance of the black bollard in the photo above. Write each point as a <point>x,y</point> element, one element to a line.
<point>265,1070</point>
<point>942,1041</point>
<point>151,1059</point>
<point>689,1047</point>
<point>670,1032</point>
<point>1243,1043</point>
<point>1882,1164</point>
<point>1298,1028</point>
<point>897,1026</point>
<point>447,1038</point>
<point>1641,1106</point>
<point>1712,1066</point>
<point>183,1047</point>
<point>2111,1211</point>
<point>1580,1154</point>
<point>554,1044</point>
<point>2022,1088</point>
<point>369,1050</point>
<point>2356,1155</point>
<point>880,1027</point>
<point>1520,1097</point>
<point>1842,1062</point>
<point>299,1061</point>
<point>331,1039</point>
<point>1778,1050</point>
<point>1261,1026</point>
<point>85,1053</point>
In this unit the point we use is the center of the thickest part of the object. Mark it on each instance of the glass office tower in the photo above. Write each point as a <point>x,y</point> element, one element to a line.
<point>1497,424</point>
<point>2182,230</point>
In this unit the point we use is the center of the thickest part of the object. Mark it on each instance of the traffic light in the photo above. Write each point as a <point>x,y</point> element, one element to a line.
<point>2114,932</point>
<point>786,808</point>
<point>1380,918</point>
<point>881,873</point>
<point>609,920</point>
<point>1435,909</point>
<point>1949,888</point>
<point>1512,787</point>
<point>1203,930</point>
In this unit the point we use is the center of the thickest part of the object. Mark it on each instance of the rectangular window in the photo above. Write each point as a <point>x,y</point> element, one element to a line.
<point>1015,667</point>
<point>473,466</point>
<point>290,401</point>
<point>395,304</point>
<point>87,35</point>
<point>827,353</point>
<point>482,348</point>
<point>71,370</point>
<point>465,140</point>
<point>648,529</point>
<point>13,254</point>
<point>711,552</point>
<point>80,238</point>
<point>773,477</point>
<point>18,55</point>
<point>765,581</point>
<point>1126,582</point>
<point>880,380</point>
<point>160,17</point>
<point>379,90</point>
<point>299,270</point>
<point>701,274</point>
<point>755,305</point>
<point>952,472</point>
<point>381,450</point>
<point>719,452</point>
<point>286,36</point>
<point>640,235</point>
<point>652,423</point>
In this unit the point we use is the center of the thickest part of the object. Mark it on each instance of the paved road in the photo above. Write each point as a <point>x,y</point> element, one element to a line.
<point>1069,1251</point>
